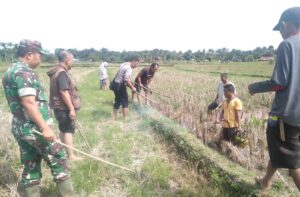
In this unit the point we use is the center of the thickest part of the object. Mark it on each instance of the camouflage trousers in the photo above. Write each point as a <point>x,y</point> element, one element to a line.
<point>34,149</point>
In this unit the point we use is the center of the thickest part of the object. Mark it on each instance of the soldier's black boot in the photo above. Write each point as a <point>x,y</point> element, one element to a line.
<point>65,189</point>
<point>33,191</point>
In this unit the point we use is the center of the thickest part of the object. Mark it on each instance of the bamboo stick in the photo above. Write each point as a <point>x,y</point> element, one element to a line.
<point>153,101</point>
<point>78,127</point>
<point>89,155</point>
<point>153,91</point>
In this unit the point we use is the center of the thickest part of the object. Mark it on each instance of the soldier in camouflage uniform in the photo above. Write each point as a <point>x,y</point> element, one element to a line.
<point>28,104</point>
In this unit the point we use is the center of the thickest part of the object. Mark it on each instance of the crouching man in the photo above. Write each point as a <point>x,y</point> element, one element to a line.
<point>143,81</point>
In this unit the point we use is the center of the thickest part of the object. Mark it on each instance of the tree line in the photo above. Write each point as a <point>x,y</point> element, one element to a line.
<point>8,51</point>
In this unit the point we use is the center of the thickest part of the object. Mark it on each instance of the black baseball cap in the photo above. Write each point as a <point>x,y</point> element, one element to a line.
<point>289,15</point>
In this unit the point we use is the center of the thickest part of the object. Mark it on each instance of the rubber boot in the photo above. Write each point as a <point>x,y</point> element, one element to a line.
<point>65,189</point>
<point>33,191</point>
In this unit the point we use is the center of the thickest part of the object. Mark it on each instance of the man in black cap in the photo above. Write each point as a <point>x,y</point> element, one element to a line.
<point>28,103</point>
<point>283,132</point>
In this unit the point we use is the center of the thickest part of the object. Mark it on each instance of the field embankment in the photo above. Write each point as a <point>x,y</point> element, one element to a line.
<point>237,180</point>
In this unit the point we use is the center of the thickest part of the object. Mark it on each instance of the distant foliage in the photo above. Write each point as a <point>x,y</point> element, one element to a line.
<point>8,50</point>
<point>220,55</point>
<point>8,53</point>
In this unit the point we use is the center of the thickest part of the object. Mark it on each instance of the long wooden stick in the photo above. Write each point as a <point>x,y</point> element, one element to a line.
<point>79,124</point>
<point>89,155</point>
<point>281,130</point>
<point>152,91</point>
<point>78,127</point>
<point>153,101</point>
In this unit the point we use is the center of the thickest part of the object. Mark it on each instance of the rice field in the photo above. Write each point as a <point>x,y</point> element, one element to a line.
<point>185,91</point>
<point>129,143</point>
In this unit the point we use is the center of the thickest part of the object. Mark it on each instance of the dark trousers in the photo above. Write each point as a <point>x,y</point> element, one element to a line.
<point>229,133</point>
<point>121,96</point>
<point>66,125</point>
<point>284,154</point>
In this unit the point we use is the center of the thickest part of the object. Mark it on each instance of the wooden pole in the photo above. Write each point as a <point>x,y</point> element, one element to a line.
<point>153,91</point>
<point>89,155</point>
<point>153,101</point>
<point>78,127</point>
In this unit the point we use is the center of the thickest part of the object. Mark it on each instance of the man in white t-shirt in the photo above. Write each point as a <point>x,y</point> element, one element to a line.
<point>121,82</point>
<point>103,75</point>
<point>220,93</point>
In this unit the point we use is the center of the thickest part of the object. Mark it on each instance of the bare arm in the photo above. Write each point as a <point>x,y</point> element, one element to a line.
<point>238,114</point>
<point>67,99</point>
<point>149,81</point>
<point>130,85</point>
<point>221,116</point>
<point>31,108</point>
<point>139,79</point>
<point>65,95</point>
<point>217,97</point>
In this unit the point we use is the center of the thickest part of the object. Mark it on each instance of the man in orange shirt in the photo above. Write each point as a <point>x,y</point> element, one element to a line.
<point>231,113</point>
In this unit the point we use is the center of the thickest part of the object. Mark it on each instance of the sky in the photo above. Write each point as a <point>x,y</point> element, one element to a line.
<point>143,24</point>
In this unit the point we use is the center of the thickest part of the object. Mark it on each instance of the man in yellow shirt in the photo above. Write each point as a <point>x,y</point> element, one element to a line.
<point>231,113</point>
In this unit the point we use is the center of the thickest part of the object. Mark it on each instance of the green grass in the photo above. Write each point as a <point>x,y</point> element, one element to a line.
<point>133,144</point>
<point>158,171</point>
<point>88,175</point>
<point>129,143</point>
<point>2,97</point>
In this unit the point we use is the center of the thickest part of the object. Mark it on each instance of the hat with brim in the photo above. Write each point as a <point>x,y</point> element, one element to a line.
<point>277,27</point>
<point>33,46</point>
<point>289,15</point>
<point>43,51</point>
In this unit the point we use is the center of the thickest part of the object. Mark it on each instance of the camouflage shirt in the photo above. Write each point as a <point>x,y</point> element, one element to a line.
<point>19,81</point>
